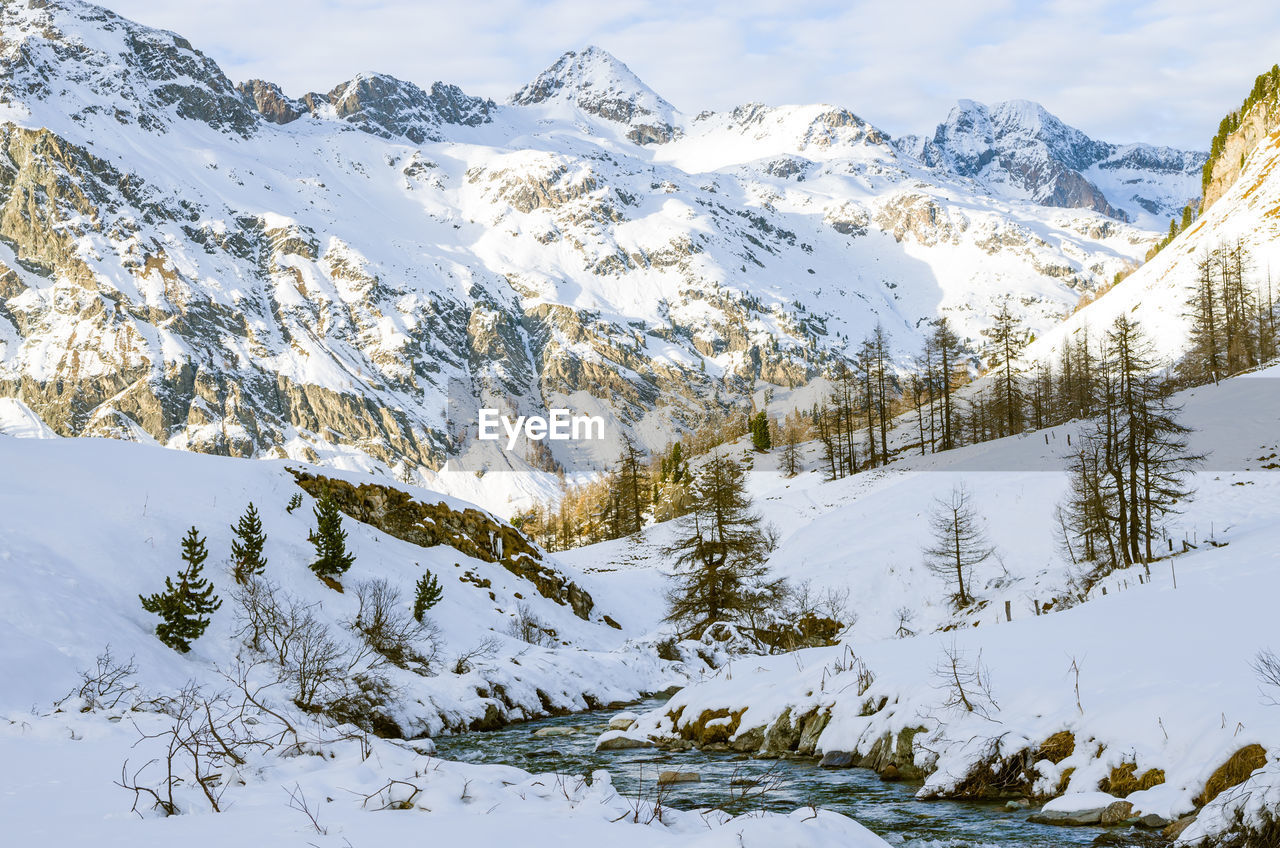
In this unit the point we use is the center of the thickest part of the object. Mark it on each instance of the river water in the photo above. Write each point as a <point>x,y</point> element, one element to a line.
<point>889,809</point>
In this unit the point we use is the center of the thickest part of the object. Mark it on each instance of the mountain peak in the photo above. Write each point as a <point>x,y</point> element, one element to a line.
<point>977,128</point>
<point>154,76</point>
<point>596,82</point>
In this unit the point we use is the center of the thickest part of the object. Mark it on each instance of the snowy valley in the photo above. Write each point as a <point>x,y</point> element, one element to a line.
<point>938,507</point>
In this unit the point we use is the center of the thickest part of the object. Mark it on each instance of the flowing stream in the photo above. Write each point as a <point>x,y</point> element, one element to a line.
<point>740,784</point>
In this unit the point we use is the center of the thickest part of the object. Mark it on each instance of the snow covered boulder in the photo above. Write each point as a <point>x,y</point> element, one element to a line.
<point>622,721</point>
<point>621,740</point>
<point>1082,808</point>
<point>424,747</point>
<point>1116,813</point>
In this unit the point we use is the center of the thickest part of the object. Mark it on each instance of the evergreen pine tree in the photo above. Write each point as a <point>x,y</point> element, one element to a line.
<point>760,438</point>
<point>184,609</point>
<point>719,554</point>
<point>246,549</point>
<point>330,540</point>
<point>426,595</point>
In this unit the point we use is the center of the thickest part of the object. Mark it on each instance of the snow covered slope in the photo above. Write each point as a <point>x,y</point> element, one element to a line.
<point>87,525</point>
<point>233,270</point>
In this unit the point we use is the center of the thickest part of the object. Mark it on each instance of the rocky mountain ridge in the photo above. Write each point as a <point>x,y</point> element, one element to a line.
<point>345,277</point>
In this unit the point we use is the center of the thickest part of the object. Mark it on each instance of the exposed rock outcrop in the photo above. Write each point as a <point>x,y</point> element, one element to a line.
<point>468,531</point>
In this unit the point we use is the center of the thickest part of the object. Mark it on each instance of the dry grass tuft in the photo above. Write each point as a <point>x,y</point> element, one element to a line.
<point>1058,747</point>
<point>1233,772</point>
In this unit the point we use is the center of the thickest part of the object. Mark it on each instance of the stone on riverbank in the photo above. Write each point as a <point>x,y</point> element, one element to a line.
<point>622,721</point>
<point>1115,813</point>
<point>836,760</point>
<point>618,740</point>
<point>555,731</point>
<point>668,777</point>
<point>1081,808</point>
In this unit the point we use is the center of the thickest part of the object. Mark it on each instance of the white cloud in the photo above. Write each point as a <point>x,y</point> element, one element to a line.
<point>1163,71</point>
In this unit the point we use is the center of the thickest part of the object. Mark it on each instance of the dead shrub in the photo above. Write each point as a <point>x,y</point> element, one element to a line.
<point>996,775</point>
<point>527,627</point>
<point>386,626</point>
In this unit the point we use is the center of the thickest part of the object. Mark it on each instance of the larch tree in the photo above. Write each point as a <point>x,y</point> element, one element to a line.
<point>1007,338</point>
<point>946,347</point>
<point>959,543</point>
<point>792,433</point>
<point>631,489</point>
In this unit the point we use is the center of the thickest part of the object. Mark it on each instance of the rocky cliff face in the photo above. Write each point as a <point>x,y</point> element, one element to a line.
<point>1256,125</point>
<point>345,277</point>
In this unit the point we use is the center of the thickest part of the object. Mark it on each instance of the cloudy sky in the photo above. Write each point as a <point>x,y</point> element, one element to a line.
<point>1162,71</point>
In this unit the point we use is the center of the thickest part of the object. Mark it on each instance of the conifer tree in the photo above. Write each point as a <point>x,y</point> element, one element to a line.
<point>630,491</point>
<point>760,439</point>
<point>1007,338</point>
<point>791,435</point>
<point>330,540</point>
<point>719,553</point>
<point>946,345</point>
<point>184,608</point>
<point>959,545</point>
<point>246,549</point>
<point>426,595</point>
<point>878,396</point>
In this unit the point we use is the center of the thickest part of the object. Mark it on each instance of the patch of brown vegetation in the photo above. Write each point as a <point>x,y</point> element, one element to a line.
<point>1124,780</point>
<point>720,731</point>
<point>1233,772</point>
<point>1058,747</point>
<point>997,776</point>
<point>1064,780</point>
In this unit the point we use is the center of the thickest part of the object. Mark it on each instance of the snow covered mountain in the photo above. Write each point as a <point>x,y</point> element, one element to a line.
<point>1018,149</point>
<point>596,83</point>
<point>231,270</point>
